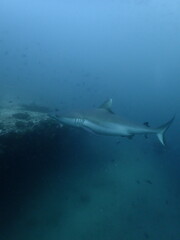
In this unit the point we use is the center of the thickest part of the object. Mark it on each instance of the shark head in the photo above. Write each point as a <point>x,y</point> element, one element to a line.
<point>74,120</point>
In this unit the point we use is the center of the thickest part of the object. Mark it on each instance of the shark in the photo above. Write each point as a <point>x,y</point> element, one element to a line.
<point>103,121</point>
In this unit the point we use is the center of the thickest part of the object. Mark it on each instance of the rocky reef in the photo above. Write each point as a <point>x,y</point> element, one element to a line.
<point>27,130</point>
<point>32,146</point>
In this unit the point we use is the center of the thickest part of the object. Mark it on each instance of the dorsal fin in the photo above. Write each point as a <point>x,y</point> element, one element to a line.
<point>107,105</point>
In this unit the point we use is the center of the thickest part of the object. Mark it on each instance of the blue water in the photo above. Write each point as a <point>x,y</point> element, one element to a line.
<point>74,55</point>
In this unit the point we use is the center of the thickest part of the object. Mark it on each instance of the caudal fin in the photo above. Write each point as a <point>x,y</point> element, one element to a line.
<point>162,130</point>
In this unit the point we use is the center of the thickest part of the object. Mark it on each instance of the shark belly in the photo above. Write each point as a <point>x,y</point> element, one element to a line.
<point>115,129</point>
<point>106,128</point>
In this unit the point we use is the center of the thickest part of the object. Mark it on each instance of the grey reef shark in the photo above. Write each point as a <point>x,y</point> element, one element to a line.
<point>103,121</point>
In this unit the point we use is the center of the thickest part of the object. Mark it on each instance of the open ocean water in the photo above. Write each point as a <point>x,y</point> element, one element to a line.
<point>73,55</point>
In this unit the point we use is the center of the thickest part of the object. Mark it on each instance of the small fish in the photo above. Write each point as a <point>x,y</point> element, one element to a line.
<point>146,235</point>
<point>146,124</point>
<point>148,181</point>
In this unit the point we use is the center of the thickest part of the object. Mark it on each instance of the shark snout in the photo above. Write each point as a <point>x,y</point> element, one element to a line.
<point>67,120</point>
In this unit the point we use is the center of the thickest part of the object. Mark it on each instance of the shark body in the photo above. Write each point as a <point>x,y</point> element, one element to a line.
<point>103,121</point>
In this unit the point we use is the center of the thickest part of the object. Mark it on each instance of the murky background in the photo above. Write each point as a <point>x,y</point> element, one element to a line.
<point>73,55</point>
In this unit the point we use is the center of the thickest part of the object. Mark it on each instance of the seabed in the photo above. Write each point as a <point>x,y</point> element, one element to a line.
<point>70,185</point>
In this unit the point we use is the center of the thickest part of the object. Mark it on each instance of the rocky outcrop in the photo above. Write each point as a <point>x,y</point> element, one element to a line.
<point>27,130</point>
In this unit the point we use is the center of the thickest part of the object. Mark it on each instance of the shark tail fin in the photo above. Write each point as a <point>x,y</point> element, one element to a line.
<point>162,130</point>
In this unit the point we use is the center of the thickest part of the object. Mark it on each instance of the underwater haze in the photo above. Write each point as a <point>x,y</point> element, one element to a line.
<point>74,55</point>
